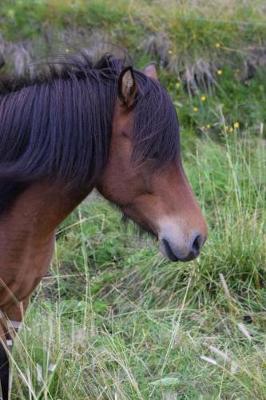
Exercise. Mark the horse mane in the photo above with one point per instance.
(57, 124)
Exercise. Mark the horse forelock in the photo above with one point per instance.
(156, 127)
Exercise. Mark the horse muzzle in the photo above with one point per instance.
(177, 246)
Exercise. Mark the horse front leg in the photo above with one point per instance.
(4, 365)
(10, 323)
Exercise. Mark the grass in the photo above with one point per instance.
(116, 321)
(227, 20)
(113, 320)
(221, 36)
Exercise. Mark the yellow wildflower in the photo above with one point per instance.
(236, 125)
(203, 98)
(217, 45)
(230, 129)
(195, 109)
(208, 126)
(219, 72)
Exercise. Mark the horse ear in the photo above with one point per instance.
(151, 72)
(127, 88)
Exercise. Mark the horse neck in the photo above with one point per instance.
(64, 134)
(42, 207)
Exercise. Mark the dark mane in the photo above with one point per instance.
(61, 68)
(57, 125)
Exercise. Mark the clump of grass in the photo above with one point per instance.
(143, 353)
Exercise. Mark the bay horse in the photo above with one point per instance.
(70, 130)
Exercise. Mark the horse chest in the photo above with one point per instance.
(27, 239)
(24, 261)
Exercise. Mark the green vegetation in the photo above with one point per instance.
(196, 25)
(114, 320)
(208, 48)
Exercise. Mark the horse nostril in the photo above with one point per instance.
(196, 244)
(169, 252)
